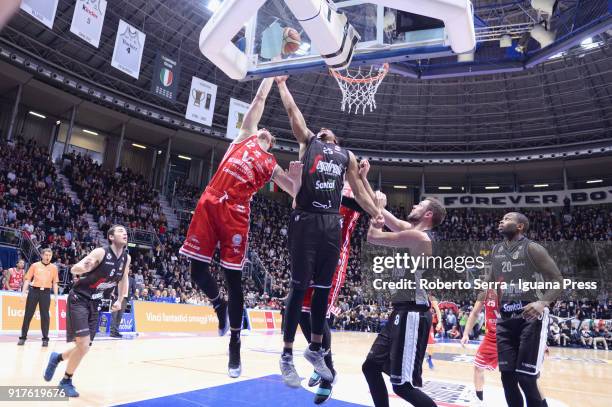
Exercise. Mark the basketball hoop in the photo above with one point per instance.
(359, 86)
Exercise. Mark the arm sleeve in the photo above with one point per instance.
(351, 203)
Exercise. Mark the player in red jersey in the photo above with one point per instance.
(14, 277)
(436, 321)
(486, 356)
(350, 212)
(222, 217)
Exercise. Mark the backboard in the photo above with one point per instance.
(387, 35)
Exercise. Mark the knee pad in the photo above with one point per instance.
(369, 366)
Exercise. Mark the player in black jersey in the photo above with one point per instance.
(315, 232)
(101, 270)
(400, 347)
(523, 326)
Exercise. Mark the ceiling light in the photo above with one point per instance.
(540, 185)
(594, 181)
(213, 5)
(90, 132)
(184, 157)
(445, 188)
(58, 122)
(42, 116)
(492, 187)
(139, 146)
(400, 186)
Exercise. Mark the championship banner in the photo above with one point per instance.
(129, 45)
(13, 310)
(237, 110)
(166, 317)
(88, 19)
(42, 10)
(201, 105)
(264, 320)
(165, 77)
(589, 196)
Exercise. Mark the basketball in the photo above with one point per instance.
(291, 41)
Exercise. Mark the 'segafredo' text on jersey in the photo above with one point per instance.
(245, 168)
(322, 177)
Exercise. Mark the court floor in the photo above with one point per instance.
(190, 370)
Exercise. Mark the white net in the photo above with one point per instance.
(359, 87)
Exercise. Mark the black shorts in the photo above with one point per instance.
(314, 246)
(400, 347)
(521, 344)
(81, 317)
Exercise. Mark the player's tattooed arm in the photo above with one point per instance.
(251, 119)
(89, 262)
(290, 181)
(550, 272)
(298, 123)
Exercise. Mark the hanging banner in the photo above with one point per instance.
(589, 196)
(201, 104)
(129, 45)
(165, 77)
(42, 10)
(237, 110)
(88, 19)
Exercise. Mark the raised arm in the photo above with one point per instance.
(364, 169)
(361, 196)
(298, 124)
(290, 181)
(252, 117)
(89, 262)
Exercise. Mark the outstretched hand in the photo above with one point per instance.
(295, 169)
(364, 168)
(381, 199)
(281, 79)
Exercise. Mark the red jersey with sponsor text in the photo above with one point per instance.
(245, 168)
(15, 279)
(491, 313)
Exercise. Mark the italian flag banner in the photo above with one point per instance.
(272, 187)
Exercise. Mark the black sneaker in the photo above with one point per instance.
(45, 343)
(234, 367)
(223, 317)
(21, 342)
(116, 335)
(324, 391)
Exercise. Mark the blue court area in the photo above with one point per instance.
(263, 391)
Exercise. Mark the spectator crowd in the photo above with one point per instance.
(33, 202)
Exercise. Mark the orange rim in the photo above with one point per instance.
(380, 76)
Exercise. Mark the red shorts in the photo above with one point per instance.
(218, 221)
(350, 218)
(486, 356)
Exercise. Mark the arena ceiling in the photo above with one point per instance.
(563, 102)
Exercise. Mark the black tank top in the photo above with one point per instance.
(322, 177)
(417, 299)
(510, 261)
(100, 282)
